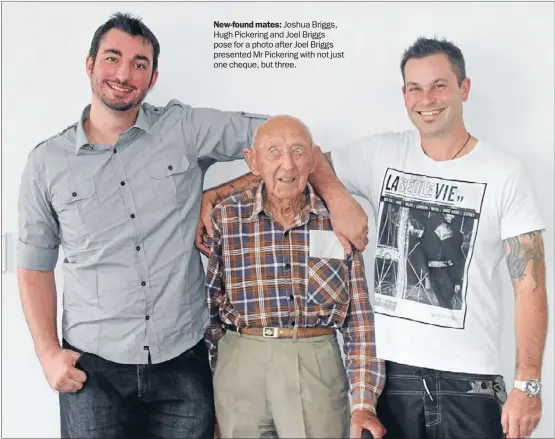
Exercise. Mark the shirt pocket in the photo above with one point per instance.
(169, 177)
(77, 198)
(328, 281)
(81, 196)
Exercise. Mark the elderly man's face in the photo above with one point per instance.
(282, 157)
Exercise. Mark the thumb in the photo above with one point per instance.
(345, 243)
(74, 357)
(209, 228)
(207, 220)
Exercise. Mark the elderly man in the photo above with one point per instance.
(279, 284)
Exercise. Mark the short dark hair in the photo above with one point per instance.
(131, 26)
(430, 46)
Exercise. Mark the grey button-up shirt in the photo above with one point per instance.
(126, 218)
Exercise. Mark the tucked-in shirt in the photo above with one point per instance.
(261, 275)
(125, 216)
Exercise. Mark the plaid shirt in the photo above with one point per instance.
(260, 275)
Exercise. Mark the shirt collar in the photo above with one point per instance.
(81, 138)
(314, 204)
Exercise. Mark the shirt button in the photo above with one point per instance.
(147, 317)
(123, 183)
(287, 266)
(143, 283)
(132, 215)
(74, 194)
(138, 247)
(170, 167)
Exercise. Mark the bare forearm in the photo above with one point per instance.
(38, 298)
(531, 329)
(235, 186)
(525, 259)
(325, 181)
(349, 221)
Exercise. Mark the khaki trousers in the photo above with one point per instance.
(282, 388)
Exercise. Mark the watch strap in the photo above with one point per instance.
(520, 385)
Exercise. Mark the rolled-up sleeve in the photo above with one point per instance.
(39, 241)
(215, 290)
(222, 135)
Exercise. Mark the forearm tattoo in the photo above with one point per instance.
(240, 185)
(522, 249)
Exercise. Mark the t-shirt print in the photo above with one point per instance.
(426, 234)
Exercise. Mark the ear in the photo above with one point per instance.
(312, 167)
(250, 157)
(465, 89)
(153, 79)
(404, 91)
(89, 65)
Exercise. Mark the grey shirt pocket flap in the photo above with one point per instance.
(167, 166)
(79, 190)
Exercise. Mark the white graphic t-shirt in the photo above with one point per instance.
(440, 231)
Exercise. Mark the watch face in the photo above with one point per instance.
(533, 387)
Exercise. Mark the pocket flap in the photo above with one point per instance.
(79, 190)
(162, 168)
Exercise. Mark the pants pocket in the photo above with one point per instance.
(500, 389)
(80, 361)
(471, 405)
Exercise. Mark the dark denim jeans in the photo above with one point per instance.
(173, 399)
(427, 403)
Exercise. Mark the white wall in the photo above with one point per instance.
(509, 53)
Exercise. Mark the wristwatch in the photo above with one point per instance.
(531, 387)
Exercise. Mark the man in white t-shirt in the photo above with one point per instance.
(446, 206)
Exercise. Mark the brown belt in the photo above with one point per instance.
(283, 332)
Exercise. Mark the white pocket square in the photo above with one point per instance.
(325, 244)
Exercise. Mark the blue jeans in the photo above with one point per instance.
(173, 399)
(427, 403)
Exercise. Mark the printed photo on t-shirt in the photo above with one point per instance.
(426, 234)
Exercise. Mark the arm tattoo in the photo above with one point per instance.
(520, 251)
(240, 185)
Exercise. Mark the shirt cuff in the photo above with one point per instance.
(255, 120)
(364, 399)
(36, 258)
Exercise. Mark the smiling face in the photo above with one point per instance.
(121, 75)
(282, 156)
(432, 95)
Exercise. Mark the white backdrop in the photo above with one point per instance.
(509, 52)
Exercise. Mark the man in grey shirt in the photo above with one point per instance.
(120, 191)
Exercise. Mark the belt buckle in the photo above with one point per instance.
(270, 332)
